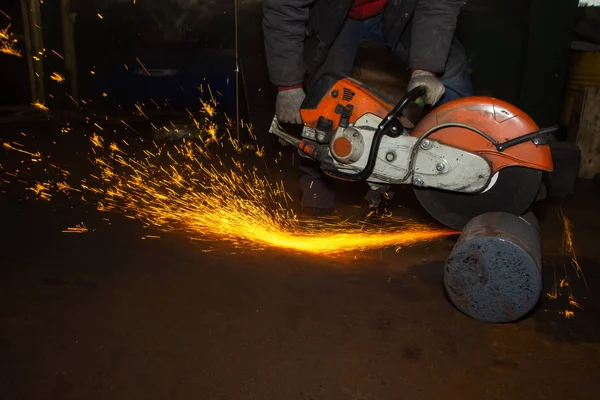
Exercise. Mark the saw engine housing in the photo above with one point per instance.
(458, 147)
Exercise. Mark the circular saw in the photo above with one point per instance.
(465, 158)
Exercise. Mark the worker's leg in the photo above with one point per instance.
(455, 78)
(316, 193)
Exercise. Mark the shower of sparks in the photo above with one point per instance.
(568, 245)
(187, 188)
(8, 43)
(194, 187)
(79, 228)
(57, 77)
(563, 285)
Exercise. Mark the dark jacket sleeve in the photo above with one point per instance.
(284, 28)
(433, 27)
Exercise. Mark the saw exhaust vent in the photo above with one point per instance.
(348, 95)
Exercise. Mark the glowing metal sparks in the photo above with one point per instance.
(42, 190)
(40, 106)
(229, 201)
(8, 42)
(79, 228)
(563, 285)
(568, 314)
(4, 34)
(197, 188)
(57, 77)
(568, 245)
(96, 140)
(7, 145)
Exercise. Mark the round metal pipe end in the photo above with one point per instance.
(494, 273)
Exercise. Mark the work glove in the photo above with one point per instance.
(435, 88)
(287, 105)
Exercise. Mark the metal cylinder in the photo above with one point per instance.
(494, 273)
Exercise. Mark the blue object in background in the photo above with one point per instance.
(175, 76)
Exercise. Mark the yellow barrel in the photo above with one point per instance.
(584, 72)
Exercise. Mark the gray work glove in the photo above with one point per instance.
(435, 88)
(287, 106)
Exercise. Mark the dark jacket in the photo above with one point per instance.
(299, 33)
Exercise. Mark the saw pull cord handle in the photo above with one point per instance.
(377, 136)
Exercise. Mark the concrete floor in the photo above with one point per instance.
(107, 315)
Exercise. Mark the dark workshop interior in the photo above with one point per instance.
(161, 238)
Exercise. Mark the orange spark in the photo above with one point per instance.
(568, 245)
(568, 314)
(9, 146)
(96, 140)
(42, 190)
(57, 54)
(143, 66)
(4, 34)
(7, 43)
(139, 108)
(208, 108)
(57, 77)
(40, 106)
(79, 228)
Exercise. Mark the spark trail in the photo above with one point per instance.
(188, 188)
(195, 187)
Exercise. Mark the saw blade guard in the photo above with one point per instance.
(500, 121)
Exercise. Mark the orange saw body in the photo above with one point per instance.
(466, 157)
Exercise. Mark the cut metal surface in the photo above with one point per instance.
(494, 272)
(513, 192)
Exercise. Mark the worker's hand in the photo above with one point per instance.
(435, 88)
(287, 106)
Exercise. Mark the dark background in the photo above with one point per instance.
(518, 50)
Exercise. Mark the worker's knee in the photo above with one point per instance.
(456, 77)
